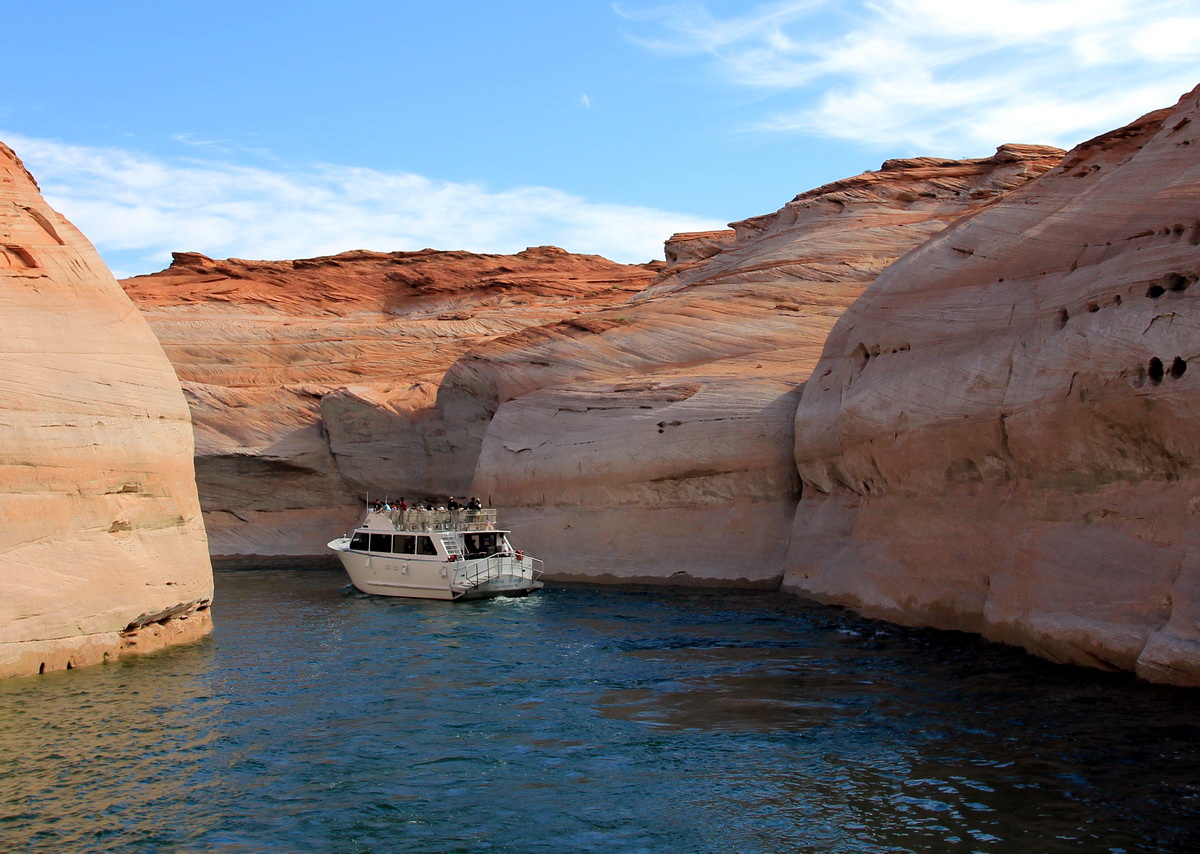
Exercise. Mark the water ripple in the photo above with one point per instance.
(588, 719)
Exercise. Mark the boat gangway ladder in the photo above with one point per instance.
(453, 549)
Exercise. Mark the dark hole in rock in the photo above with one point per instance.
(1155, 291)
(1091, 306)
(1178, 367)
(1178, 282)
(1117, 299)
(1155, 370)
(860, 356)
(1063, 317)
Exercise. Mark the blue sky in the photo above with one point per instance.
(270, 129)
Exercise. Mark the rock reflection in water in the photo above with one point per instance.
(587, 719)
(87, 756)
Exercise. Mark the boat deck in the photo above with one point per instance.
(429, 521)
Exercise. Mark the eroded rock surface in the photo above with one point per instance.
(653, 440)
(1000, 436)
(102, 549)
(313, 382)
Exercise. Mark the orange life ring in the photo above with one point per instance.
(520, 555)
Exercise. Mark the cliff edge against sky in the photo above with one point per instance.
(952, 393)
(1000, 435)
(102, 549)
(313, 382)
(654, 439)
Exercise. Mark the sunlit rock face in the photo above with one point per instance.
(653, 441)
(312, 382)
(1000, 436)
(102, 549)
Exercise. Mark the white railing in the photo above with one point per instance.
(442, 520)
(486, 569)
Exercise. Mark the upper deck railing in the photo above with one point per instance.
(440, 520)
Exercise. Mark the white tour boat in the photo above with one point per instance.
(436, 554)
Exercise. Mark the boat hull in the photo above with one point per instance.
(413, 578)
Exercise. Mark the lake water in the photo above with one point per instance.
(588, 719)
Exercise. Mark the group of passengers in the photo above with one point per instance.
(451, 504)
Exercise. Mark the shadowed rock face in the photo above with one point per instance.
(653, 440)
(102, 550)
(1000, 435)
(312, 383)
(995, 437)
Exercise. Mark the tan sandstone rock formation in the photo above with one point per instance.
(102, 550)
(653, 440)
(1001, 435)
(313, 382)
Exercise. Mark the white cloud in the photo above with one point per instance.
(943, 76)
(137, 209)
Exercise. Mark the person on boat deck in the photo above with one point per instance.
(377, 506)
(452, 504)
(403, 505)
(474, 504)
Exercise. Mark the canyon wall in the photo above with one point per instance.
(313, 382)
(952, 393)
(1000, 436)
(654, 440)
(102, 550)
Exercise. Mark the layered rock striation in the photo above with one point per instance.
(953, 393)
(654, 440)
(1000, 434)
(102, 549)
(313, 382)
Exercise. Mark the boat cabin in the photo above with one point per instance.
(460, 534)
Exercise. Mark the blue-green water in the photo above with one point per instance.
(588, 719)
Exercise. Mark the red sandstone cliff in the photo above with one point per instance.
(995, 437)
(653, 440)
(102, 550)
(312, 382)
(1000, 435)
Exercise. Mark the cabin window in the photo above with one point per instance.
(360, 541)
(381, 543)
(404, 544)
(425, 546)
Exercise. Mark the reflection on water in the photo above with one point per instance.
(588, 719)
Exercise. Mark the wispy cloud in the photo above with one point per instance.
(137, 209)
(942, 76)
